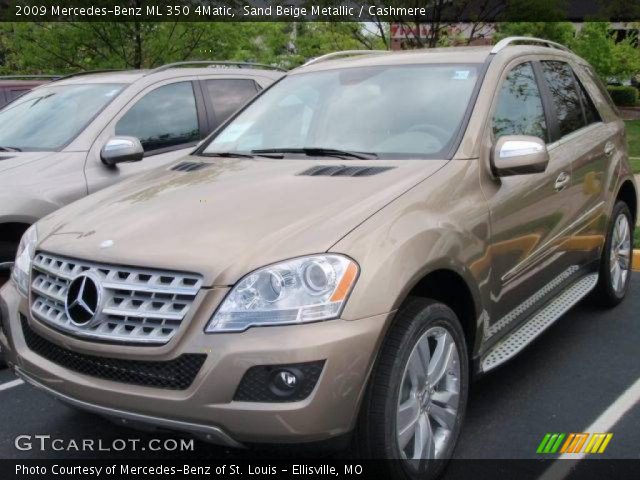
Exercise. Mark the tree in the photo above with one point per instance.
(72, 46)
(612, 60)
(561, 32)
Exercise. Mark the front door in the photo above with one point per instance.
(529, 213)
(167, 120)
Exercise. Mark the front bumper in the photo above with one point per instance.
(207, 407)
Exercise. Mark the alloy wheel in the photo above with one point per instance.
(620, 254)
(429, 397)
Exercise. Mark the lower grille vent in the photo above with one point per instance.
(177, 374)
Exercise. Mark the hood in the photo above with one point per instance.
(12, 160)
(227, 218)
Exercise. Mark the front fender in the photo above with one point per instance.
(21, 208)
(442, 224)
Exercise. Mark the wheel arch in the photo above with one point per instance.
(10, 235)
(627, 193)
(450, 286)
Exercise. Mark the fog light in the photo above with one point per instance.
(285, 382)
(279, 383)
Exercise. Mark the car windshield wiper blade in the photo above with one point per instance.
(226, 154)
(320, 152)
(10, 149)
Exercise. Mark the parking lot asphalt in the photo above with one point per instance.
(561, 383)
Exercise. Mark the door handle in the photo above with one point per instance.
(609, 148)
(562, 181)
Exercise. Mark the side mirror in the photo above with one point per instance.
(120, 150)
(519, 155)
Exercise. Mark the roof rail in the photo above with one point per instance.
(28, 77)
(214, 63)
(344, 53)
(88, 72)
(540, 41)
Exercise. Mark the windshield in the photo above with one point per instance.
(50, 117)
(408, 111)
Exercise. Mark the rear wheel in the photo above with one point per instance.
(615, 264)
(7, 254)
(417, 396)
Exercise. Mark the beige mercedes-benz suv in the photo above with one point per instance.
(341, 257)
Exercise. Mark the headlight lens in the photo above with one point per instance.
(306, 289)
(24, 257)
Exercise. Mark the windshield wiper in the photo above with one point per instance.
(10, 149)
(319, 152)
(226, 154)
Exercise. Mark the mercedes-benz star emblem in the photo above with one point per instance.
(83, 299)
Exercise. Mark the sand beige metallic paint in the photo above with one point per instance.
(418, 218)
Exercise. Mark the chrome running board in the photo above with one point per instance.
(517, 340)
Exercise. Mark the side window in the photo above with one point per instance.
(519, 109)
(565, 96)
(590, 111)
(163, 118)
(601, 86)
(229, 95)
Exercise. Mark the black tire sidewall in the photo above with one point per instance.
(7, 251)
(411, 322)
(609, 296)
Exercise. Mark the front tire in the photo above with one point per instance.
(615, 264)
(417, 396)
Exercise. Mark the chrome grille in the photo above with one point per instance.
(138, 305)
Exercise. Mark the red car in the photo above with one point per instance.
(14, 86)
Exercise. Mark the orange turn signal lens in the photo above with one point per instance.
(346, 283)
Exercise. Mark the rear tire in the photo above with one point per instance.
(615, 262)
(7, 254)
(417, 394)
(7, 251)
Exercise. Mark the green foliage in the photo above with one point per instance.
(613, 61)
(623, 96)
(561, 32)
(633, 141)
(31, 47)
(71, 46)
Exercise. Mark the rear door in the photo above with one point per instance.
(169, 119)
(581, 134)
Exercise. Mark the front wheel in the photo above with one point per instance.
(417, 395)
(615, 264)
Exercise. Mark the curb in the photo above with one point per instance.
(635, 263)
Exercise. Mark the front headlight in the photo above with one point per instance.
(306, 289)
(24, 257)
